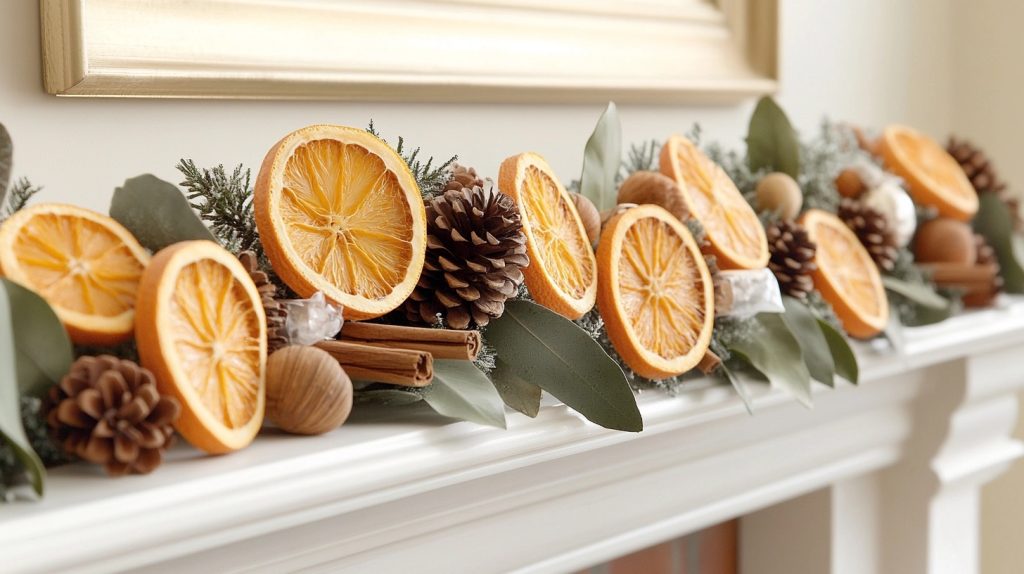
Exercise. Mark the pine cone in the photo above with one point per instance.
(476, 250)
(463, 178)
(792, 258)
(872, 228)
(986, 256)
(108, 411)
(277, 314)
(982, 173)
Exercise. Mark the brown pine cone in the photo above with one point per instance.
(108, 411)
(463, 178)
(982, 173)
(476, 250)
(792, 258)
(986, 256)
(873, 230)
(277, 314)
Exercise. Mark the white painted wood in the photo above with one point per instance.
(389, 494)
(461, 50)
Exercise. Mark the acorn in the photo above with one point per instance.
(945, 240)
(307, 391)
(849, 183)
(589, 215)
(780, 193)
(651, 187)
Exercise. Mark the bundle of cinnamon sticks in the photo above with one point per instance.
(397, 354)
(978, 283)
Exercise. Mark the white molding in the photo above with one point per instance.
(456, 50)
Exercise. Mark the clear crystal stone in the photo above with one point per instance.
(311, 320)
(753, 291)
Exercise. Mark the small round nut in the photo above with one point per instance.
(945, 240)
(307, 390)
(780, 193)
(589, 215)
(849, 183)
(645, 187)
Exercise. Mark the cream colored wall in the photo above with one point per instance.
(853, 60)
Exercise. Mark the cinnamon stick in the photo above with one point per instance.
(406, 367)
(943, 273)
(440, 343)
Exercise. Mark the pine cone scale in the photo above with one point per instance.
(791, 258)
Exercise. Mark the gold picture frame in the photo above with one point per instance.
(651, 51)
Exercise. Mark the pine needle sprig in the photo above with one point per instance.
(641, 157)
(18, 197)
(225, 202)
(430, 178)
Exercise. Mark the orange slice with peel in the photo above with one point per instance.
(934, 177)
(655, 292)
(84, 264)
(562, 274)
(201, 329)
(846, 275)
(735, 233)
(339, 211)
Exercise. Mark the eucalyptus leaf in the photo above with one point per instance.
(995, 223)
(518, 394)
(6, 162)
(462, 391)
(814, 347)
(894, 333)
(156, 212)
(43, 349)
(842, 354)
(775, 353)
(602, 159)
(916, 292)
(739, 385)
(772, 142)
(388, 397)
(550, 351)
(11, 428)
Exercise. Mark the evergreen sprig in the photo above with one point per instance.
(18, 197)
(641, 157)
(431, 179)
(12, 473)
(225, 202)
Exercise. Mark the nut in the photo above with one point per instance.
(307, 391)
(651, 187)
(780, 193)
(588, 215)
(945, 240)
(849, 183)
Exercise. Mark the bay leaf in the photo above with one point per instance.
(739, 385)
(462, 391)
(842, 354)
(12, 430)
(388, 397)
(995, 223)
(916, 293)
(6, 162)
(775, 353)
(550, 351)
(43, 349)
(518, 394)
(814, 347)
(772, 142)
(156, 212)
(602, 159)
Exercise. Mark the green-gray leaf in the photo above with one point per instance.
(43, 349)
(552, 352)
(11, 429)
(462, 391)
(518, 394)
(6, 162)
(739, 385)
(388, 397)
(601, 160)
(775, 353)
(995, 223)
(894, 333)
(772, 142)
(814, 347)
(842, 354)
(156, 212)
(916, 292)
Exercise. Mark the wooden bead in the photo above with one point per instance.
(849, 183)
(307, 391)
(780, 193)
(945, 240)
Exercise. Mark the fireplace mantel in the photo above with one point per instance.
(883, 477)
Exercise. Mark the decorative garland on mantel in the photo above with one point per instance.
(351, 271)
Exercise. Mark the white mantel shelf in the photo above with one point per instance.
(900, 459)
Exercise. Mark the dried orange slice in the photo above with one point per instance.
(934, 177)
(201, 329)
(655, 292)
(339, 211)
(86, 265)
(562, 274)
(736, 235)
(846, 276)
